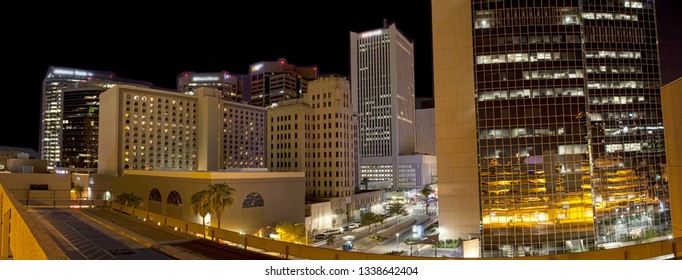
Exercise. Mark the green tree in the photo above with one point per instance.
(289, 232)
(369, 218)
(221, 198)
(425, 192)
(396, 209)
(200, 203)
(129, 199)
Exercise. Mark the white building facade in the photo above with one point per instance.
(382, 79)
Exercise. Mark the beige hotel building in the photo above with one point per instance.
(166, 146)
(149, 129)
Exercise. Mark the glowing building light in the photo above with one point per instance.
(205, 79)
(256, 67)
(371, 33)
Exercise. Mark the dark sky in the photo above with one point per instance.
(156, 45)
(153, 44)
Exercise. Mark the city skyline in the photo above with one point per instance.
(549, 126)
(165, 48)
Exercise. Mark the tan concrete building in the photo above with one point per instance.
(426, 131)
(672, 121)
(317, 135)
(19, 160)
(260, 198)
(149, 129)
(458, 191)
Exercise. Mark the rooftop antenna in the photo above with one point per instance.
(385, 23)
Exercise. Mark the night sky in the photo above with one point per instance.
(157, 44)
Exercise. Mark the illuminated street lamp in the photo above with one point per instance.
(397, 241)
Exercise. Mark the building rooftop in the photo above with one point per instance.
(216, 175)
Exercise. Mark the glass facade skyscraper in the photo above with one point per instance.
(569, 140)
(56, 82)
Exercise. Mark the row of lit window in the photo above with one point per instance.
(611, 16)
(615, 69)
(612, 54)
(534, 75)
(525, 39)
(531, 16)
(620, 84)
(527, 132)
(528, 93)
(525, 57)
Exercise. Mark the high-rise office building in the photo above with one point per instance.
(150, 129)
(231, 86)
(57, 80)
(382, 80)
(317, 135)
(548, 124)
(277, 81)
(80, 129)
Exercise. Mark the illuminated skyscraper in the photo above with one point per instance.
(230, 86)
(382, 80)
(276, 81)
(57, 81)
(548, 116)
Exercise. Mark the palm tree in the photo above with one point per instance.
(221, 198)
(200, 203)
(129, 199)
(425, 192)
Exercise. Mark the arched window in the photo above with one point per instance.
(253, 200)
(174, 198)
(155, 195)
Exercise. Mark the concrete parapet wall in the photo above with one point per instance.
(22, 234)
(636, 252)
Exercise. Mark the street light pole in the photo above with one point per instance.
(397, 241)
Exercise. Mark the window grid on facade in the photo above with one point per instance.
(569, 125)
(159, 132)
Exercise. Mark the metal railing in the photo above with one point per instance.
(33, 199)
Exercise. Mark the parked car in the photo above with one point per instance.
(353, 225)
(332, 231)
